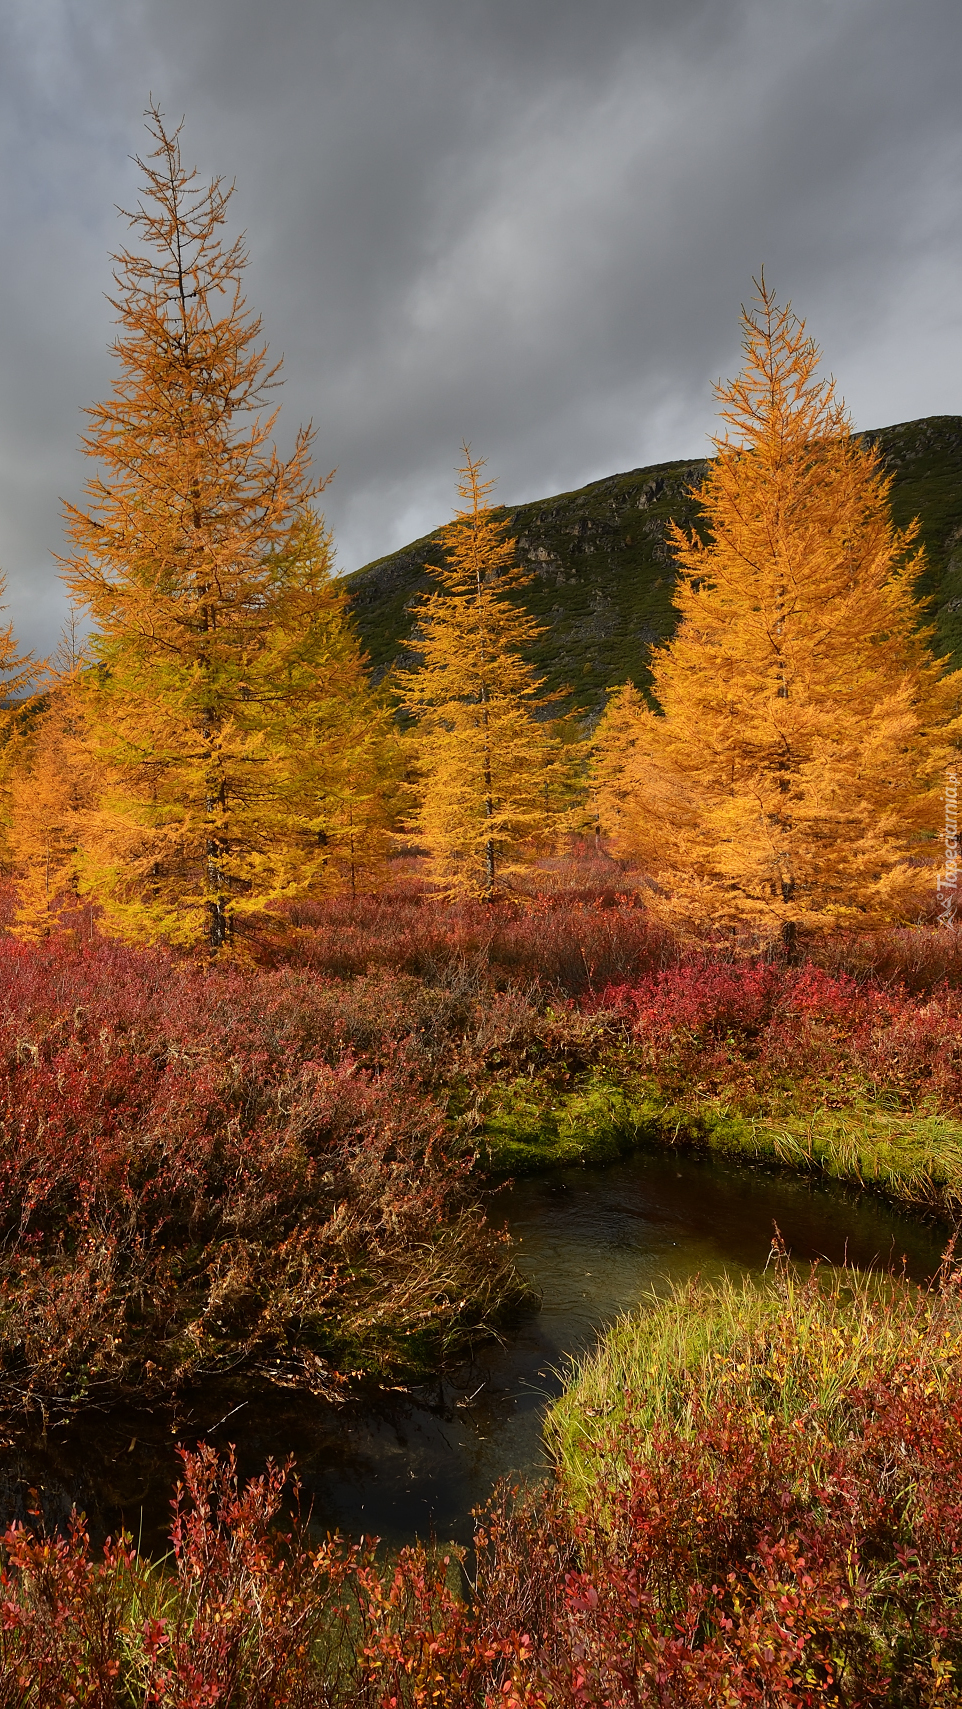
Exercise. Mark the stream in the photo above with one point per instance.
(413, 1463)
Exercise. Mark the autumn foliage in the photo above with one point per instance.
(270, 1169)
(750, 1555)
(218, 753)
(262, 1163)
(489, 778)
(198, 1174)
(237, 754)
(770, 1037)
(791, 770)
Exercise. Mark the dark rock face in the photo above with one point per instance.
(602, 571)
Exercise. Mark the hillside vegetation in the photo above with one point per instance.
(604, 575)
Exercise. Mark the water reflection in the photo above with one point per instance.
(414, 1463)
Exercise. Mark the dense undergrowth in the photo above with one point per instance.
(773, 1519)
(857, 1078)
(197, 1174)
(788, 1351)
(278, 1166)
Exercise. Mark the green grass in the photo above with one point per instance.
(787, 1348)
(912, 1158)
(603, 576)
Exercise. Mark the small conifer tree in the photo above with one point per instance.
(790, 775)
(227, 697)
(49, 790)
(55, 796)
(489, 770)
(18, 673)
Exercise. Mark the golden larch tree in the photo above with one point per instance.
(54, 794)
(55, 786)
(227, 696)
(488, 761)
(788, 778)
(18, 673)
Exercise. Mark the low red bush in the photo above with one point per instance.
(205, 1163)
(195, 1170)
(567, 942)
(757, 1565)
(763, 1028)
(740, 1568)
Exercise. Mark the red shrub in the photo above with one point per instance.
(570, 942)
(193, 1168)
(749, 1564)
(747, 1568)
(251, 1615)
(763, 1028)
(248, 1616)
(183, 1146)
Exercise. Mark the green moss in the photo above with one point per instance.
(530, 1126)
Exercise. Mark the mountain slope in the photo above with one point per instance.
(603, 574)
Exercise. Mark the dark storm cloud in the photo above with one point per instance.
(526, 222)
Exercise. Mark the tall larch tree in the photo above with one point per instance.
(488, 761)
(789, 775)
(226, 696)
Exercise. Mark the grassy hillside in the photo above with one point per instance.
(603, 574)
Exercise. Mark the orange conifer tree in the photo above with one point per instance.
(54, 787)
(489, 770)
(18, 672)
(789, 777)
(228, 697)
(54, 796)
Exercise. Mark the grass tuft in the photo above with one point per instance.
(791, 1349)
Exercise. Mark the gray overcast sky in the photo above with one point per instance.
(525, 222)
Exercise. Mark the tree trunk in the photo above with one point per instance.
(790, 945)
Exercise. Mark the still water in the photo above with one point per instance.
(413, 1463)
